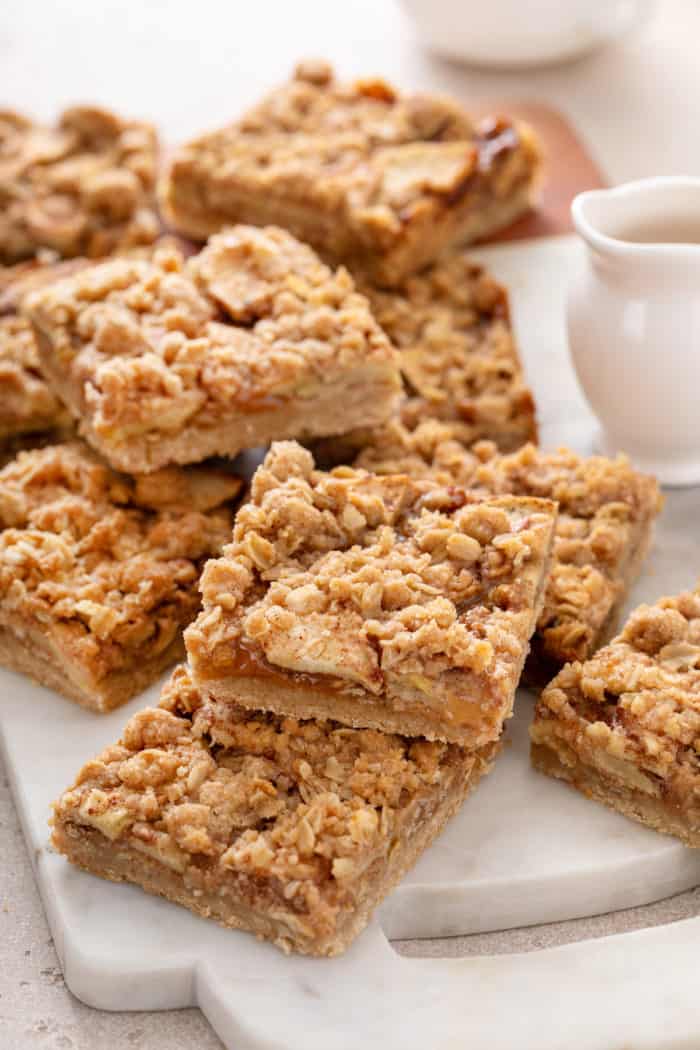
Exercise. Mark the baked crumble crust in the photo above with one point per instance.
(23, 277)
(46, 267)
(451, 324)
(167, 360)
(291, 829)
(27, 403)
(399, 603)
(98, 572)
(30, 412)
(606, 512)
(624, 727)
(82, 187)
(369, 177)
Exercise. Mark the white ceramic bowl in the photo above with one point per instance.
(511, 34)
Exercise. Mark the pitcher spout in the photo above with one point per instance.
(650, 220)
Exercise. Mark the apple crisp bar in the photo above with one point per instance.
(459, 361)
(390, 603)
(624, 727)
(606, 516)
(167, 360)
(98, 571)
(291, 830)
(458, 358)
(83, 187)
(379, 181)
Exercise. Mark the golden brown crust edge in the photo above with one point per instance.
(84, 186)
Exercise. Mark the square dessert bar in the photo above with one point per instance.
(457, 355)
(292, 830)
(390, 603)
(83, 187)
(98, 572)
(624, 727)
(164, 360)
(606, 516)
(451, 324)
(379, 181)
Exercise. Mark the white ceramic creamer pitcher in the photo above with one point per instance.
(634, 322)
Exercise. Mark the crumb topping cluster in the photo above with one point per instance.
(23, 277)
(272, 807)
(314, 102)
(153, 346)
(638, 699)
(26, 401)
(360, 153)
(83, 187)
(603, 504)
(458, 354)
(17, 281)
(369, 579)
(108, 562)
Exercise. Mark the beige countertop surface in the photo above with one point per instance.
(190, 66)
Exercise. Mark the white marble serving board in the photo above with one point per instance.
(523, 850)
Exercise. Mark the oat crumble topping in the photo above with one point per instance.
(29, 409)
(603, 505)
(83, 187)
(23, 277)
(26, 402)
(46, 267)
(458, 357)
(107, 564)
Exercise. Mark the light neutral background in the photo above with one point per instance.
(189, 65)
